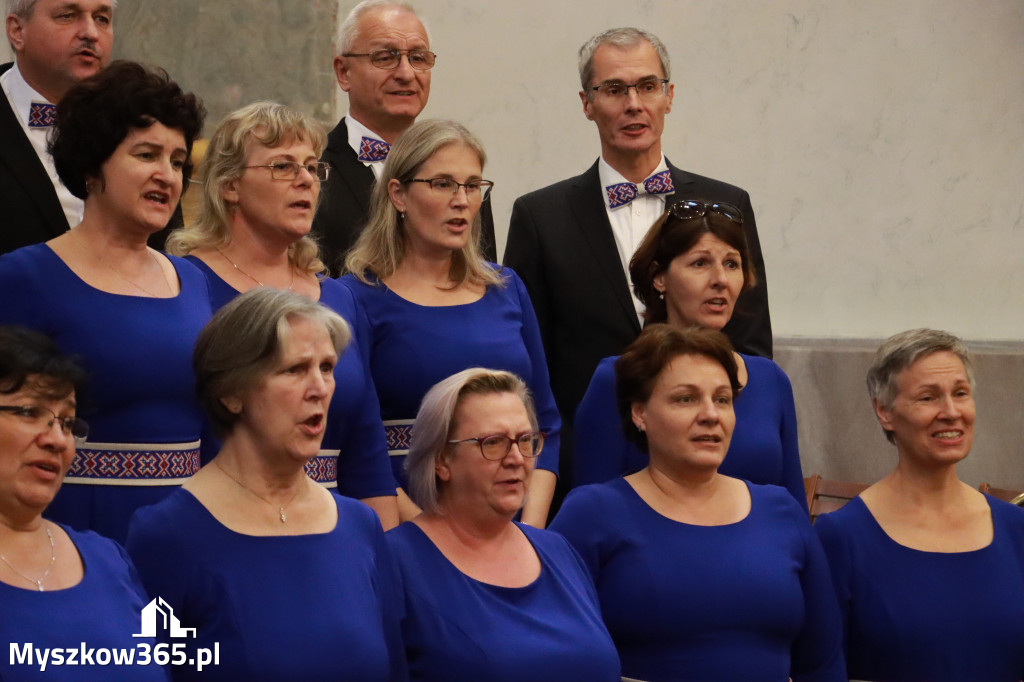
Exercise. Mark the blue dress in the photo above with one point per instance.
(303, 607)
(457, 628)
(413, 347)
(354, 427)
(912, 615)
(750, 600)
(763, 449)
(100, 612)
(141, 390)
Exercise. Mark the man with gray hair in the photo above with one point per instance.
(571, 242)
(383, 61)
(57, 43)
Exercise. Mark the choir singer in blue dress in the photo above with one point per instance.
(434, 304)
(60, 588)
(487, 598)
(286, 580)
(929, 572)
(688, 272)
(701, 576)
(122, 143)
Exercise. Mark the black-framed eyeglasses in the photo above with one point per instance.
(646, 88)
(289, 170)
(688, 209)
(43, 418)
(497, 446)
(474, 188)
(421, 60)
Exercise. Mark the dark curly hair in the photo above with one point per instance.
(637, 369)
(670, 237)
(95, 116)
(30, 358)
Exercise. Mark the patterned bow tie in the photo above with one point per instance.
(371, 149)
(624, 192)
(42, 115)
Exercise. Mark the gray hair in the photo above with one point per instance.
(266, 123)
(348, 31)
(24, 8)
(619, 37)
(244, 341)
(381, 245)
(902, 350)
(436, 420)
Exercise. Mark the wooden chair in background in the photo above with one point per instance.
(825, 495)
(1012, 496)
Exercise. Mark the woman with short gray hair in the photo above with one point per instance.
(927, 569)
(487, 598)
(262, 561)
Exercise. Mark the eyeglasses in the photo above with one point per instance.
(475, 189)
(289, 170)
(421, 60)
(689, 209)
(647, 88)
(497, 447)
(43, 418)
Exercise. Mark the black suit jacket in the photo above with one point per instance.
(30, 211)
(560, 242)
(345, 204)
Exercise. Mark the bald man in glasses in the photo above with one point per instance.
(383, 62)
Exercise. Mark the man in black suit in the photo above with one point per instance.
(383, 62)
(571, 242)
(57, 43)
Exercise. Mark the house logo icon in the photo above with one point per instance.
(159, 610)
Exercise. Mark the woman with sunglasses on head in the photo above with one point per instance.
(487, 598)
(261, 181)
(122, 143)
(701, 576)
(59, 588)
(434, 304)
(688, 272)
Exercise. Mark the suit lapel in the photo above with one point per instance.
(587, 205)
(18, 154)
(681, 180)
(351, 171)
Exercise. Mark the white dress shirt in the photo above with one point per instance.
(356, 132)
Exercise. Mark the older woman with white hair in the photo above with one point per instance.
(929, 572)
(487, 598)
(435, 305)
(282, 578)
(261, 181)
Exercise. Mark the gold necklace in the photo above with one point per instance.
(163, 277)
(281, 509)
(291, 283)
(53, 558)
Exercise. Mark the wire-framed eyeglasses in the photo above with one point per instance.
(688, 209)
(646, 88)
(497, 446)
(475, 189)
(421, 60)
(42, 418)
(289, 170)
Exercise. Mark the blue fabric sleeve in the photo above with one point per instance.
(18, 294)
(818, 650)
(601, 450)
(579, 522)
(540, 383)
(792, 472)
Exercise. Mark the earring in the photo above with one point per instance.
(661, 295)
(401, 215)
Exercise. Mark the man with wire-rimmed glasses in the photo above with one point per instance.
(383, 62)
(571, 242)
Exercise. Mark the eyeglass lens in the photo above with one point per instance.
(497, 447)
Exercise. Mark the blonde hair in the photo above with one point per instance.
(381, 246)
(269, 124)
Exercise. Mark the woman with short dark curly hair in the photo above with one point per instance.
(122, 143)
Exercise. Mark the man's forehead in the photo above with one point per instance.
(391, 27)
(615, 62)
(77, 5)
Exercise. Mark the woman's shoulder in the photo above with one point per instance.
(356, 514)
(167, 517)
(764, 369)
(1008, 515)
(589, 503)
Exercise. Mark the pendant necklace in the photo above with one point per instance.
(281, 509)
(53, 558)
